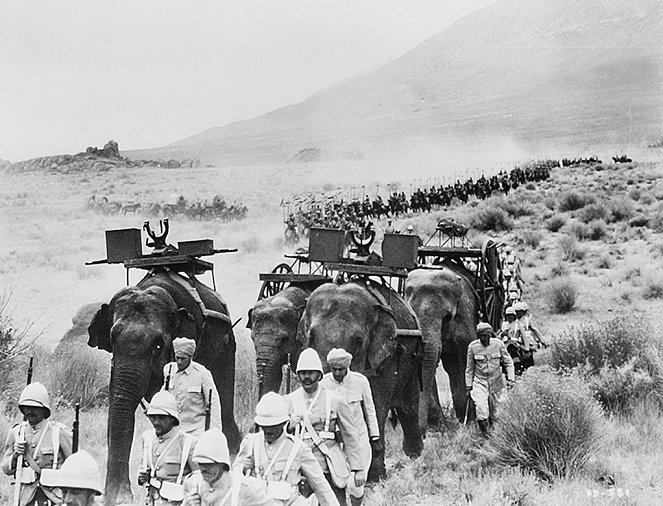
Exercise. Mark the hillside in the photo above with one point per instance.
(540, 74)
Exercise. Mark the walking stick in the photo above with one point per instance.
(287, 378)
(467, 409)
(19, 467)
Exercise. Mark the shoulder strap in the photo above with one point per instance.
(291, 458)
(186, 448)
(55, 434)
(327, 410)
(149, 445)
(237, 485)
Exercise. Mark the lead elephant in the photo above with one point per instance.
(137, 327)
(364, 320)
(446, 305)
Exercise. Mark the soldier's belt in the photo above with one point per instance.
(323, 434)
(27, 475)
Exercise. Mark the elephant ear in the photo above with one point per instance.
(382, 341)
(179, 320)
(249, 319)
(99, 330)
(302, 332)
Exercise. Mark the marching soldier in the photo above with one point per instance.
(167, 453)
(280, 459)
(483, 374)
(79, 479)
(213, 484)
(190, 383)
(355, 389)
(40, 444)
(323, 419)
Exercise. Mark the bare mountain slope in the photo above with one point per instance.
(538, 72)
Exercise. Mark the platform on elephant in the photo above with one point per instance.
(449, 252)
(367, 270)
(291, 277)
(180, 263)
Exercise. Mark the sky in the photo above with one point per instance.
(146, 73)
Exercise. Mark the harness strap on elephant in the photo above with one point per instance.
(382, 301)
(188, 286)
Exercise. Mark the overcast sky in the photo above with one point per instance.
(145, 73)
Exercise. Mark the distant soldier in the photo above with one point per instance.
(356, 390)
(323, 419)
(510, 326)
(483, 374)
(167, 453)
(42, 444)
(531, 335)
(79, 479)
(213, 484)
(190, 383)
(389, 228)
(280, 459)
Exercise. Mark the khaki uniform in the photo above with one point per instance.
(356, 390)
(165, 457)
(286, 460)
(484, 374)
(48, 444)
(190, 388)
(244, 491)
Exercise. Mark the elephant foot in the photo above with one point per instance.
(377, 472)
(413, 449)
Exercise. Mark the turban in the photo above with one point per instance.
(184, 346)
(338, 356)
(484, 327)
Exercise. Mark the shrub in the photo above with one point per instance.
(656, 220)
(491, 218)
(557, 270)
(604, 262)
(570, 249)
(653, 288)
(593, 212)
(549, 424)
(80, 374)
(532, 238)
(638, 221)
(562, 294)
(619, 389)
(555, 223)
(596, 230)
(620, 209)
(13, 346)
(517, 206)
(573, 200)
(577, 229)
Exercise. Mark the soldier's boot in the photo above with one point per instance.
(483, 427)
(356, 501)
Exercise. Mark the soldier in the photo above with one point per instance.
(483, 374)
(355, 389)
(40, 443)
(280, 459)
(531, 334)
(318, 416)
(213, 484)
(167, 453)
(79, 479)
(190, 383)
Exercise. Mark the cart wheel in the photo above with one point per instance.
(491, 284)
(270, 288)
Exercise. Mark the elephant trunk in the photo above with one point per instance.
(128, 385)
(268, 367)
(429, 404)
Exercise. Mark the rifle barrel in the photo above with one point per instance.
(30, 370)
(76, 429)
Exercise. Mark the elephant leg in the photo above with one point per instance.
(455, 368)
(435, 414)
(382, 394)
(407, 409)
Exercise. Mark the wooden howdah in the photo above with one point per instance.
(123, 244)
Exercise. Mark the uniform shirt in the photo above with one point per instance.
(191, 390)
(341, 419)
(39, 447)
(255, 456)
(356, 390)
(251, 491)
(166, 456)
(484, 365)
(510, 329)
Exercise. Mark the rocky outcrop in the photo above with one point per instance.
(92, 160)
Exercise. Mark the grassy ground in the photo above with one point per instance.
(52, 235)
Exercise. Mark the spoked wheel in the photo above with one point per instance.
(270, 288)
(491, 286)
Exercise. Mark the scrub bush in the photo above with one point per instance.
(562, 295)
(491, 218)
(573, 200)
(549, 424)
(555, 223)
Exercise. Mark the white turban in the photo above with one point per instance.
(338, 356)
(185, 346)
(484, 327)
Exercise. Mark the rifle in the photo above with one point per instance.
(167, 383)
(19, 467)
(208, 410)
(30, 370)
(75, 429)
(287, 378)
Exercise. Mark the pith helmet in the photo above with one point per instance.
(212, 448)
(520, 306)
(484, 327)
(272, 409)
(35, 394)
(163, 403)
(510, 311)
(309, 361)
(78, 471)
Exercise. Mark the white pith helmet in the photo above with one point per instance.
(212, 448)
(78, 471)
(309, 360)
(510, 311)
(272, 409)
(35, 395)
(164, 403)
(520, 306)
(524, 305)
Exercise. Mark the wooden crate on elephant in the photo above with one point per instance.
(123, 244)
(326, 245)
(399, 250)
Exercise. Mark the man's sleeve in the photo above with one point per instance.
(244, 459)
(508, 363)
(469, 368)
(8, 467)
(311, 469)
(349, 428)
(208, 383)
(369, 409)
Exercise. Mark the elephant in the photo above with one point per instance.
(447, 307)
(377, 326)
(138, 327)
(273, 322)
